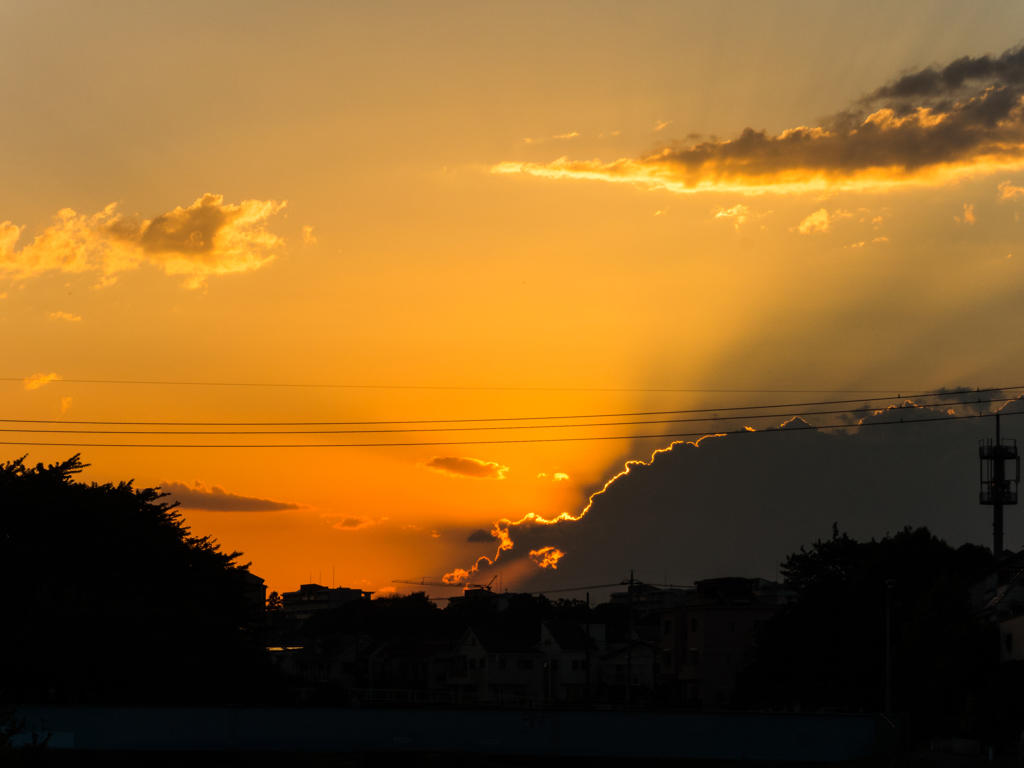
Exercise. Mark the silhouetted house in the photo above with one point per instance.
(255, 592)
(411, 664)
(705, 643)
(493, 667)
(310, 598)
(572, 660)
(997, 597)
(646, 598)
(634, 663)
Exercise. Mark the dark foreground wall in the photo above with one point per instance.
(721, 735)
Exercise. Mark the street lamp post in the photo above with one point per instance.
(889, 584)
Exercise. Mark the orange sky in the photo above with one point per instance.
(417, 196)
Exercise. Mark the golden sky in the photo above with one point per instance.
(489, 210)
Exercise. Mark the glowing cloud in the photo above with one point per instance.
(929, 127)
(547, 557)
(819, 222)
(308, 238)
(207, 238)
(216, 499)
(65, 404)
(968, 217)
(65, 316)
(738, 213)
(457, 466)
(40, 380)
(1008, 192)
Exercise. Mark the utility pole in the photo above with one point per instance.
(889, 584)
(996, 489)
(629, 642)
(587, 647)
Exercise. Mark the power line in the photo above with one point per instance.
(512, 441)
(788, 414)
(443, 388)
(507, 418)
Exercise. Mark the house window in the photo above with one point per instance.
(524, 663)
(472, 663)
(575, 665)
(694, 656)
(666, 659)
(693, 625)
(501, 663)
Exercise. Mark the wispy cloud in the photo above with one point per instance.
(738, 213)
(65, 404)
(968, 217)
(206, 238)
(1009, 192)
(458, 466)
(40, 380)
(819, 222)
(308, 238)
(929, 127)
(662, 124)
(216, 499)
(354, 523)
(65, 316)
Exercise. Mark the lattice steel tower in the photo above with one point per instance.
(996, 488)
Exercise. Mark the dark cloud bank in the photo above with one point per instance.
(216, 499)
(737, 505)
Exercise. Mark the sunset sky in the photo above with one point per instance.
(482, 211)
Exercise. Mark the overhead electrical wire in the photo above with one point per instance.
(788, 414)
(661, 436)
(439, 388)
(744, 408)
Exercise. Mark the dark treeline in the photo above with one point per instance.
(827, 649)
(107, 599)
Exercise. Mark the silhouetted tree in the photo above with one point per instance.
(109, 600)
(827, 648)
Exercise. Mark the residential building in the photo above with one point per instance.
(310, 598)
(494, 667)
(705, 643)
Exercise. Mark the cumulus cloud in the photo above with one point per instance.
(40, 380)
(457, 466)
(206, 238)
(547, 557)
(216, 499)
(65, 316)
(737, 504)
(927, 127)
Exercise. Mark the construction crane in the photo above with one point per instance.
(422, 582)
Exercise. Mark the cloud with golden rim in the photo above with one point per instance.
(216, 499)
(460, 466)
(926, 128)
(209, 237)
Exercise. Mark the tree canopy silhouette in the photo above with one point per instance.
(108, 599)
(827, 648)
